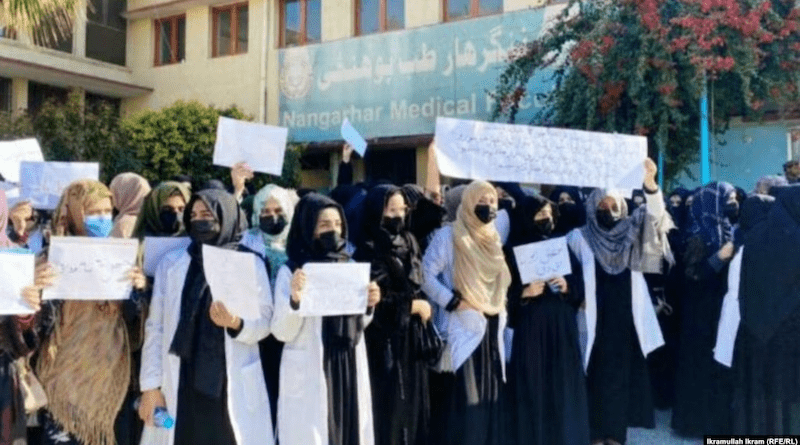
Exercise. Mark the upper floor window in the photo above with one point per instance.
(301, 22)
(170, 40)
(462, 9)
(230, 30)
(379, 15)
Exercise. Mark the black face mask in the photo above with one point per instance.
(328, 242)
(204, 231)
(272, 225)
(544, 226)
(732, 212)
(606, 219)
(394, 225)
(170, 221)
(485, 213)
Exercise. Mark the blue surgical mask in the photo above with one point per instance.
(98, 226)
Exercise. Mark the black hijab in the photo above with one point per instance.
(337, 331)
(198, 341)
(679, 213)
(523, 228)
(770, 277)
(399, 254)
(571, 216)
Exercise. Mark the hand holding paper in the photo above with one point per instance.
(335, 289)
(231, 275)
(91, 268)
(17, 270)
(542, 261)
(352, 137)
(261, 146)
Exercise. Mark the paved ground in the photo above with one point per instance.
(661, 435)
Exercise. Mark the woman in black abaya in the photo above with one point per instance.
(397, 362)
(547, 386)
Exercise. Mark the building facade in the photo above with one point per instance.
(388, 66)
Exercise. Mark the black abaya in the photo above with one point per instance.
(703, 386)
(547, 385)
(618, 380)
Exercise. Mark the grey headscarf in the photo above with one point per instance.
(637, 242)
(452, 199)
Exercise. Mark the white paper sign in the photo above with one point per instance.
(335, 289)
(540, 155)
(231, 275)
(157, 247)
(353, 137)
(543, 260)
(261, 146)
(91, 268)
(12, 153)
(43, 182)
(16, 270)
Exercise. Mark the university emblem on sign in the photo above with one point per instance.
(296, 76)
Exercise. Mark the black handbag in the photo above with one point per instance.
(428, 344)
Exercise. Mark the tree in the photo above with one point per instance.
(44, 20)
(640, 67)
(71, 132)
(180, 139)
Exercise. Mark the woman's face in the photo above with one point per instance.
(675, 200)
(395, 207)
(610, 204)
(101, 207)
(201, 212)
(174, 203)
(731, 198)
(328, 220)
(271, 208)
(543, 214)
(565, 198)
(489, 199)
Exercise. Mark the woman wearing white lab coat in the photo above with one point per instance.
(246, 421)
(325, 394)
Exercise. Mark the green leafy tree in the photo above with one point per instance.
(179, 139)
(640, 67)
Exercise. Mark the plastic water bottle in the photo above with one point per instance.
(161, 417)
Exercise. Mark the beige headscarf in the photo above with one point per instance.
(480, 271)
(85, 364)
(129, 190)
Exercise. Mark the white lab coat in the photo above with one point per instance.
(303, 400)
(248, 405)
(644, 314)
(463, 330)
(730, 316)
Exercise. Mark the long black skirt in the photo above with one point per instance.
(766, 396)
(618, 377)
(547, 386)
(476, 412)
(342, 382)
(201, 420)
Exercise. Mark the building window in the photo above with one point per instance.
(105, 31)
(463, 9)
(5, 95)
(6, 32)
(300, 22)
(170, 40)
(379, 15)
(230, 30)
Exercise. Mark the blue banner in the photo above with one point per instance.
(397, 83)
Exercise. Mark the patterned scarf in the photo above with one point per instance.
(85, 364)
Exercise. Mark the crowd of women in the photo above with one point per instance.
(688, 301)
